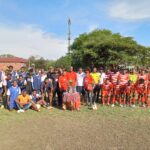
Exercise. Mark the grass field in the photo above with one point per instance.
(107, 128)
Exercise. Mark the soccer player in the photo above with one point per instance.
(116, 93)
(24, 102)
(107, 89)
(96, 76)
(141, 90)
(22, 82)
(37, 99)
(23, 72)
(80, 86)
(37, 81)
(63, 86)
(133, 77)
(88, 86)
(12, 94)
(47, 91)
(72, 78)
(124, 78)
(13, 73)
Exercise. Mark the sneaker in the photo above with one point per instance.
(113, 105)
(133, 106)
(21, 110)
(143, 105)
(64, 107)
(2, 107)
(121, 105)
(95, 107)
(18, 111)
(50, 107)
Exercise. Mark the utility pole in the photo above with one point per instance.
(69, 35)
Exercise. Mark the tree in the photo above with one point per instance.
(40, 62)
(63, 62)
(7, 55)
(103, 48)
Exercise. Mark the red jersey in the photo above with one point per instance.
(117, 88)
(63, 82)
(140, 88)
(72, 77)
(88, 80)
(107, 87)
(144, 76)
(148, 87)
(129, 89)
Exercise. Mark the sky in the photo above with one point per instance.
(39, 27)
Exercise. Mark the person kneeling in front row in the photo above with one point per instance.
(24, 102)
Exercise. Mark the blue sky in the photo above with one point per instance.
(39, 27)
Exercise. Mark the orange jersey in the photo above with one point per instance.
(63, 82)
(72, 78)
(88, 80)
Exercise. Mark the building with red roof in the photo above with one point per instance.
(16, 62)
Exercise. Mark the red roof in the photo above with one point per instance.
(13, 60)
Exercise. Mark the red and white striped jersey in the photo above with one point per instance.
(124, 78)
(114, 77)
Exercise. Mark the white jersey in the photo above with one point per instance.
(80, 78)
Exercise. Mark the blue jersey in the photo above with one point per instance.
(14, 75)
(37, 82)
(9, 83)
(13, 93)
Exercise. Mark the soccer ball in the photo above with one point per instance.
(38, 106)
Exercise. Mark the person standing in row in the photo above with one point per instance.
(80, 85)
(96, 77)
(12, 94)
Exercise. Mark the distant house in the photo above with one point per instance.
(16, 62)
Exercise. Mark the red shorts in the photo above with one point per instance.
(105, 93)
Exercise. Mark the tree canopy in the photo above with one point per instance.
(102, 47)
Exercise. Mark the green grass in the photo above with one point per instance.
(106, 128)
(104, 111)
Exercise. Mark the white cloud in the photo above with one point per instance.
(93, 27)
(30, 40)
(130, 10)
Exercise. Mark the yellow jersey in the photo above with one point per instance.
(96, 76)
(24, 99)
